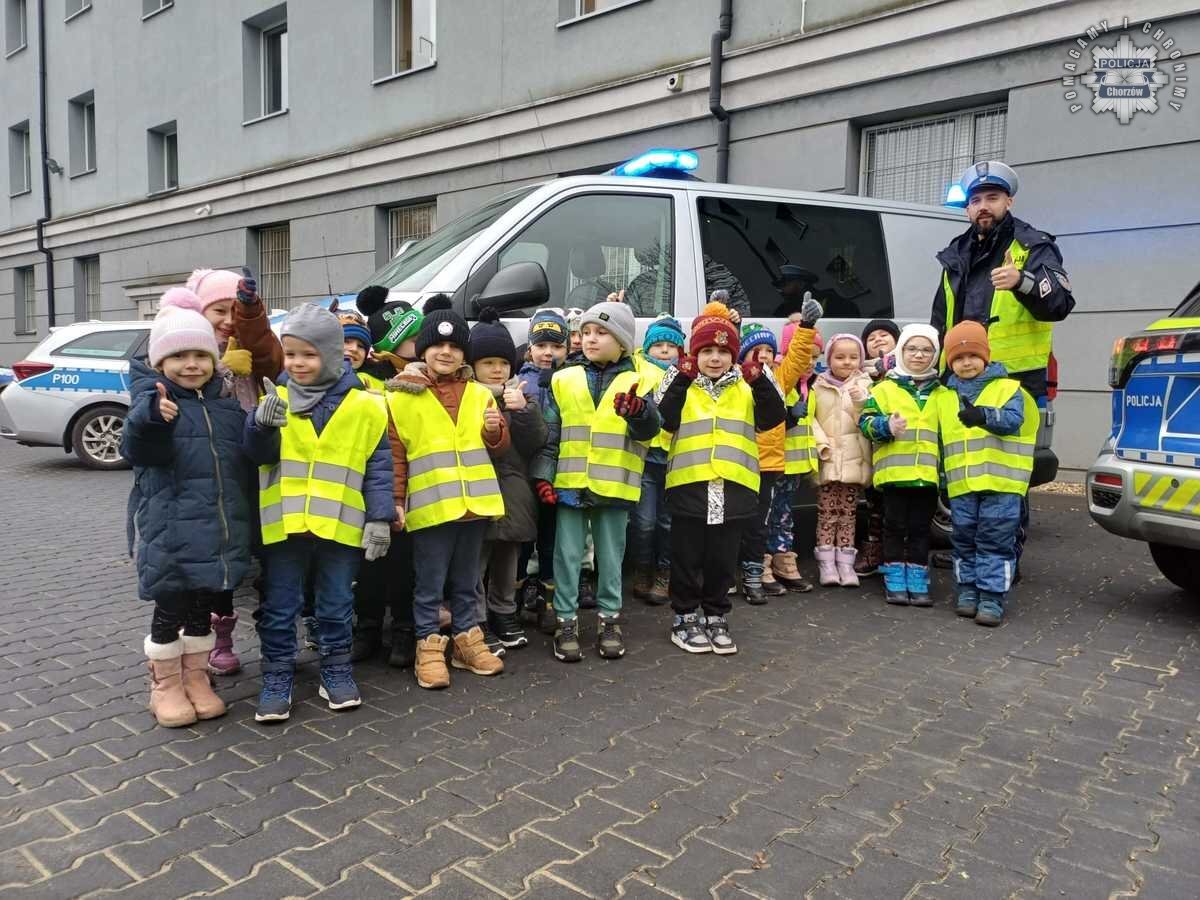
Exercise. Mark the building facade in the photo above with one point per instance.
(309, 139)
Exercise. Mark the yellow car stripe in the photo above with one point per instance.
(1166, 492)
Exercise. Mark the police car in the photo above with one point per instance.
(1145, 484)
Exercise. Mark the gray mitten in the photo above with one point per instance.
(377, 537)
(272, 409)
(810, 311)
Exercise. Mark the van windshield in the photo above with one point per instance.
(424, 259)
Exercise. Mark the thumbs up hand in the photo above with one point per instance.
(971, 415)
(1007, 276)
(492, 422)
(514, 397)
(272, 409)
(247, 287)
(168, 409)
(629, 405)
(235, 359)
(897, 425)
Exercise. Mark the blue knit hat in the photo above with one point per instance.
(354, 328)
(548, 325)
(754, 335)
(664, 328)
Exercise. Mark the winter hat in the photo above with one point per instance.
(967, 337)
(755, 334)
(664, 328)
(442, 325)
(574, 317)
(176, 329)
(490, 338)
(907, 334)
(548, 326)
(321, 328)
(212, 285)
(714, 328)
(616, 318)
(390, 323)
(354, 328)
(180, 298)
(881, 325)
(844, 336)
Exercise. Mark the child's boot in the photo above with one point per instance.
(403, 651)
(430, 667)
(587, 591)
(529, 598)
(275, 698)
(968, 601)
(787, 573)
(609, 640)
(547, 619)
(991, 608)
(472, 653)
(895, 583)
(566, 641)
(196, 652)
(752, 589)
(826, 566)
(844, 559)
(643, 581)
(312, 632)
(770, 586)
(368, 638)
(869, 557)
(168, 700)
(660, 592)
(338, 687)
(717, 629)
(917, 580)
(222, 660)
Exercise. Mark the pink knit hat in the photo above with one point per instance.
(212, 285)
(176, 329)
(845, 336)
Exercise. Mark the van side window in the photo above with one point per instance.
(777, 251)
(103, 344)
(592, 245)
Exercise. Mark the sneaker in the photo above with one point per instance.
(490, 638)
(368, 638)
(312, 632)
(529, 598)
(968, 601)
(566, 641)
(472, 653)
(991, 609)
(609, 641)
(275, 698)
(507, 628)
(717, 630)
(643, 582)
(687, 633)
(587, 592)
(430, 667)
(337, 683)
(660, 592)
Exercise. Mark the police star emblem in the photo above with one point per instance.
(1124, 79)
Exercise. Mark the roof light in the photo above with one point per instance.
(646, 163)
(956, 196)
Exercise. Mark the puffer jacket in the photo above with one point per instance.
(844, 450)
(527, 430)
(536, 383)
(1001, 420)
(191, 484)
(792, 369)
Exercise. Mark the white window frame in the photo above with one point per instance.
(580, 14)
(84, 6)
(170, 162)
(16, 13)
(269, 34)
(24, 162)
(274, 279)
(93, 295)
(149, 12)
(24, 300)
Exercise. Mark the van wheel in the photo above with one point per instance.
(1180, 565)
(940, 527)
(96, 437)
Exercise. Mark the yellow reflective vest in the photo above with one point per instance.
(715, 439)
(316, 487)
(799, 445)
(1018, 340)
(450, 471)
(976, 460)
(914, 457)
(371, 383)
(595, 451)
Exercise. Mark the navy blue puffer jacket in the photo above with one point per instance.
(191, 484)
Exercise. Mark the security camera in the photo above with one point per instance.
(675, 83)
(204, 210)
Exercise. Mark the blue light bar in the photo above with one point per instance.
(956, 196)
(646, 163)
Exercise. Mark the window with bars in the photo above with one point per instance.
(410, 223)
(87, 288)
(275, 266)
(24, 301)
(918, 159)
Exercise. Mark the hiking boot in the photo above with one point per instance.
(991, 609)
(687, 633)
(870, 555)
(430, 668)
(942, 559)
(917, 579)
(196, 683)
(312, 632)
(752, 589)
(660, 592)
(827, 572)
(968, 601)
(895, 583)
(587, 592)
(609, 641)
(472, 653)
(368, 638)
(717, 630)
(770, 586)
(507, 627)
(843, 558)
(566, 641)
(275, 698)
(547, 622)
(643, 582)
(222, 660)
(529, 598)
(491, 640)
(168, 700)
(403, 652)
(337, 682)
(787, 573)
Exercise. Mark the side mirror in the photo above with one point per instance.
(514, 287)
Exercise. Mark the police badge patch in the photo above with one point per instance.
(1044, 288)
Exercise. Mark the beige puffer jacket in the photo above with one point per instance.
(844, 451)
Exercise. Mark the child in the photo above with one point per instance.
(901, 418)
(356, 347)
(574, 317)
(989, 427)
(320, 442)
(592, 467)
(879, 337)
(838, 395)
(445, 431)
(650, 522)
(492, 355)
(714, 409)
(189, 504)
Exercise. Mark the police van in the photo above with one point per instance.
(1145, 484)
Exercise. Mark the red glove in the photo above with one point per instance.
(687, 368)
(752, 371)
(629, 405)
(545, 492)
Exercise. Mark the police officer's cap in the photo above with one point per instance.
(989, 174)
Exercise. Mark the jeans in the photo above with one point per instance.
(650, 520)
(333, 567)
(985, 539)
(608, 525)
(446, 559)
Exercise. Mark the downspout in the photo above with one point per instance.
(725, 26)
(42, 128)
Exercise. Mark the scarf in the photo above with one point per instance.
(908, 333)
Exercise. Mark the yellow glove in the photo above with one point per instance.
(236, 360)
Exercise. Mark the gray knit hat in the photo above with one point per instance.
(617, 319)
(322, 329)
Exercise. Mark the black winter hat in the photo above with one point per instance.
(442, 325)
(489, 337)
(881, 325)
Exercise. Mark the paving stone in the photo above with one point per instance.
(271, 880)
(833, 834)
(599, 871)
(417, 864)
(248, 816)
(580, 827)
(663, 829)
(325, 861)
(237, 857)
(1012, 843)
(785, 871)
(94, 873)
(185, 876)
(411, 823)
(1062, 879)
(361, 883)
(750, 830)
(62, 853)
(974, 878)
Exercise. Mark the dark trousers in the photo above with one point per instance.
(704, 564)
(754, 536)
(387, 583)
(449, 556)
(907, 514)
(187, 610)
(333, 567)
(547, 524)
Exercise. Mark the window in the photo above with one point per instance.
(274, 70)
(404, 36)
(593, 244)
(265, 64)
(75, 7)
(410, 223)
(87, 288)
(162, 148)
(151, 7)
(24, 301)
(275, 265)
(16, 25)
(574, 9)
(836, 253)
(81, 125)
(19, 170)
(917, 160)
(104, 344)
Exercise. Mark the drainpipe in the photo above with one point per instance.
(42, 128)
(725, 26)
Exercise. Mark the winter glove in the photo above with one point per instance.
(971, 415)
(546, 493)
(752, 371)
(687, 368)
(810, 311)
(247, 290)
(168, 409)
(272, 409)
(629, 405)
(882, 365)
(236, 360)
(377, 537)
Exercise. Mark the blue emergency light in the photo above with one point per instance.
(956, 196)
(658, 163)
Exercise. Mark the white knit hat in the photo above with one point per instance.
(176, 329)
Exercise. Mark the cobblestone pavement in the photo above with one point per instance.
(849, 750)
